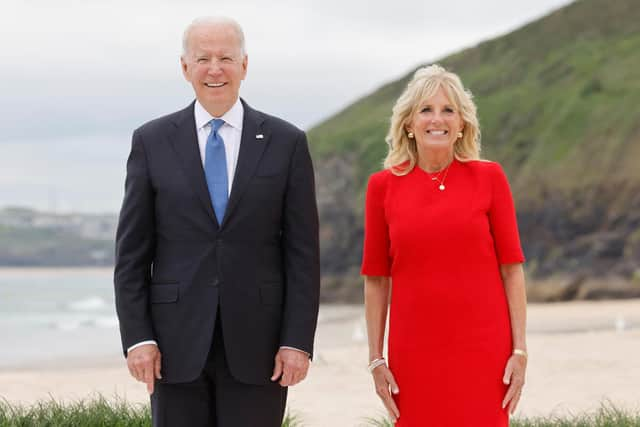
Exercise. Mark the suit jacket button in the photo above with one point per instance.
(215, 283)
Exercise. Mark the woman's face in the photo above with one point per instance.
(436, 122)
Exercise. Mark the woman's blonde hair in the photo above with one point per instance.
(403, 153)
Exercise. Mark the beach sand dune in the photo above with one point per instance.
(581, 354)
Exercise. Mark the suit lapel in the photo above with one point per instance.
(251, 149)
(185, 144)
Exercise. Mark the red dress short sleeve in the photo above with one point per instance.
(502, 219)
(375, 257)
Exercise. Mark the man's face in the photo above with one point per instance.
(215, 66)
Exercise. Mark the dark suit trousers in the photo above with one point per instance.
(216, 399)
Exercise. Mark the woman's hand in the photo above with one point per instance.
(514, 374)
(385, 386)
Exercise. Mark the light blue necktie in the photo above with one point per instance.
(215, 169)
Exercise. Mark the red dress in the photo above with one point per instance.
(449, 328)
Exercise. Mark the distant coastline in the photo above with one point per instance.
(556, 288)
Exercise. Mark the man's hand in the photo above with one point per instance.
(144, 364)
(291, 367)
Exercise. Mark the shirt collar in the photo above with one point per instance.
(232, 117)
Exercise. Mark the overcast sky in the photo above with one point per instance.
(78, 76)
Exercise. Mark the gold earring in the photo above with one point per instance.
(459, 134)
(410, 135)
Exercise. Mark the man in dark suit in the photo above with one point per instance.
(217, 259)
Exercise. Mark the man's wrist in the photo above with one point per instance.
(293, 348)
(141, 343)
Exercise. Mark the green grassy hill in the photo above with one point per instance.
(559, 107)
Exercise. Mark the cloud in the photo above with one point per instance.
(83, 66)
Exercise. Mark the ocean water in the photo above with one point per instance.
(49, 315)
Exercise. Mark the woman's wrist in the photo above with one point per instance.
(373, 355)
(379, 361)
(520, 352)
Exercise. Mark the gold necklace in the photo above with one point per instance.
(441, 187)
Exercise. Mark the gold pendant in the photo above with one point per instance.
(441, 187)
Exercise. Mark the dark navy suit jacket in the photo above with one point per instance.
(176, 266)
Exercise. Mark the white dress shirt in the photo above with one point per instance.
(231, 134)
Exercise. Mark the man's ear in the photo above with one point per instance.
(245, 63)
(184, 67)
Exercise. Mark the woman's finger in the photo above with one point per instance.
(508, 396)
(514, 402)
(389, 403)
(508, 371)
(392, 382)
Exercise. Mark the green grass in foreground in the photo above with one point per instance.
(100, 412)
(607, 416)
(97, 412)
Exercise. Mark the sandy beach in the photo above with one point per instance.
(581, 354)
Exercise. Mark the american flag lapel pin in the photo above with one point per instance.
(259, 136)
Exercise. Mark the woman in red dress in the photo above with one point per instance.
(442, 252)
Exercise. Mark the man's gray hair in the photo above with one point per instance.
(213, 20)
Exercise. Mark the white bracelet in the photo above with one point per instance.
(375, 363)
(519, 352)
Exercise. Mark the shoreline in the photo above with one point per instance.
(67, 364)
(343, 325)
